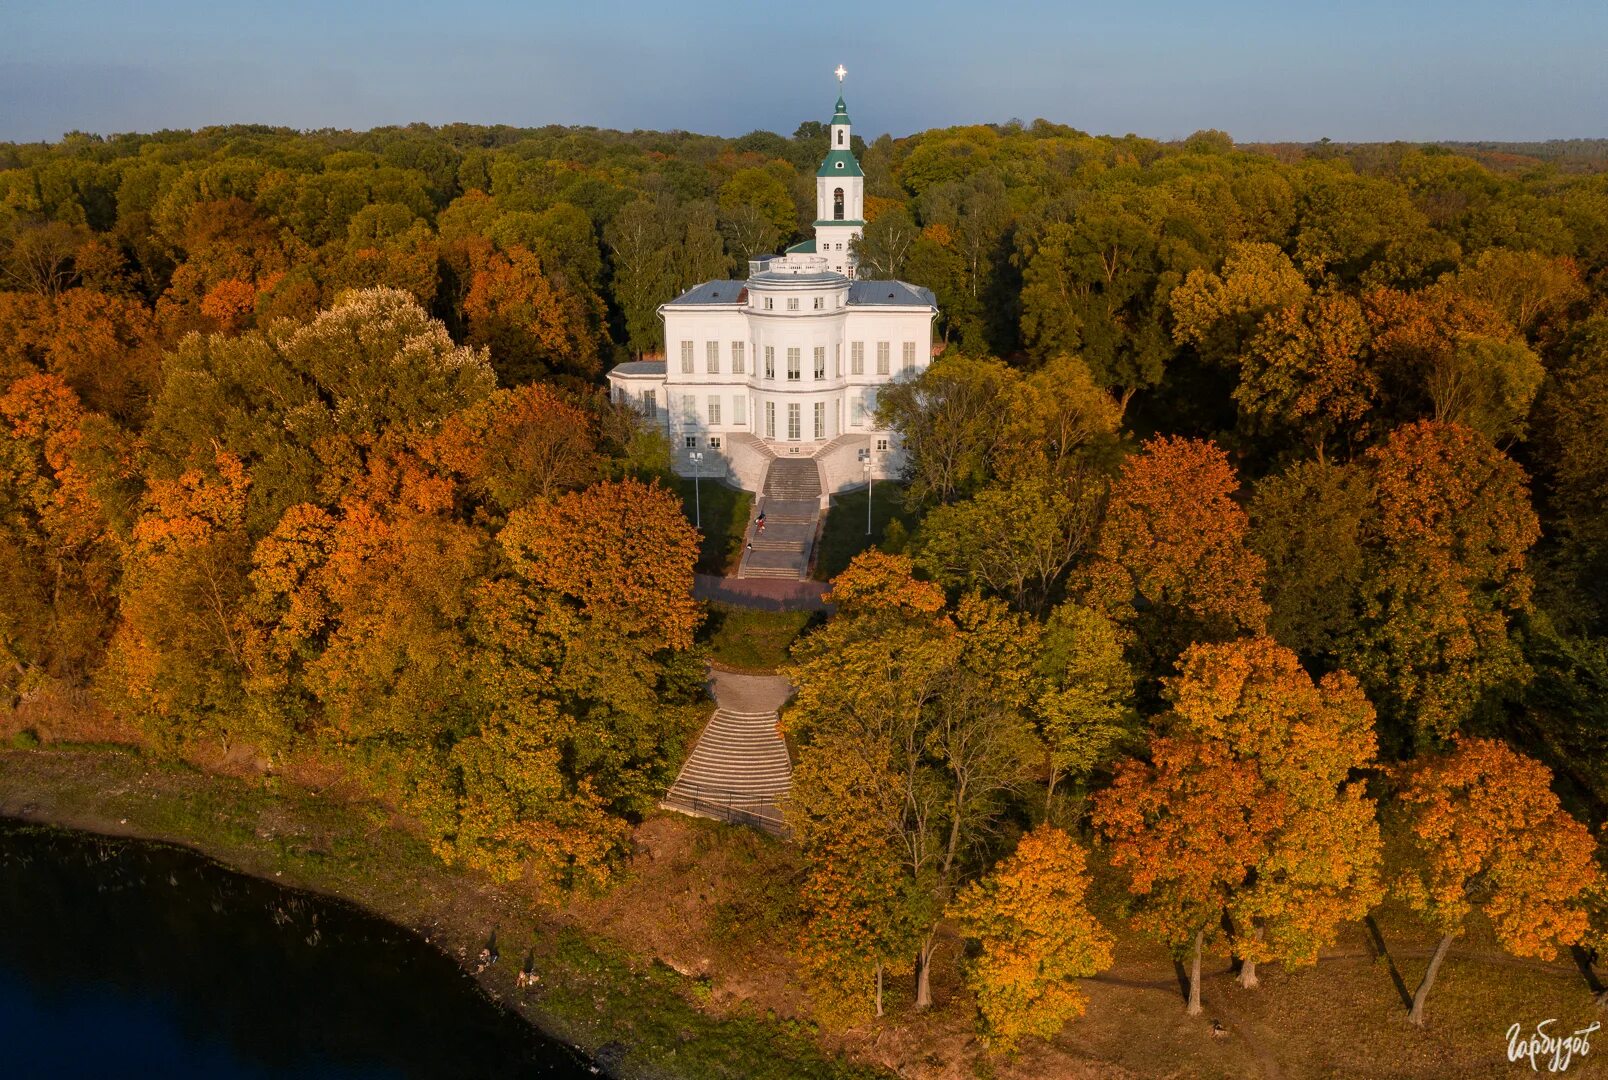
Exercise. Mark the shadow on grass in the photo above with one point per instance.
(1583, 960)
(722, 513)
(1376, 940)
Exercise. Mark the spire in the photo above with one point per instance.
(841, 114)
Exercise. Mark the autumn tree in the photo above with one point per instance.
(1014, 539)
(1219, 312)
(532, 327)
(1037, 938)
(1184, 827)
(177, 658)
(863, 914)
(1485, 832)
(756, 212)
(1248, 810)
(1574, 441)
(1085, 707)
(1304, 370)
(1444, 578)
(59, 558)
(939, 701)
(1171, 556)
(953, 421)
(1306, 524)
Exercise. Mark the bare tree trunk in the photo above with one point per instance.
(1247, 975)
(923, 983)
(879, 987)
(1194, 975)
(1417, 1014)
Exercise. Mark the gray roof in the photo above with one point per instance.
(890, 294)
(712, 292)
(638, 367)
(861, 293)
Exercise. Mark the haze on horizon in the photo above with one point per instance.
(1366, 70)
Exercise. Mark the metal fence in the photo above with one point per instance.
(734, 808)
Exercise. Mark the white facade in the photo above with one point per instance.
(788, 362)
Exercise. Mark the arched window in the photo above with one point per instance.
(837, 204)
(840, 136)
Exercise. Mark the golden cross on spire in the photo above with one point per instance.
(840, 73)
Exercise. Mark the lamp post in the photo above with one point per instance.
(865, 464)
(697, 496)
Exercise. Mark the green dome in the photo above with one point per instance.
(841, 116)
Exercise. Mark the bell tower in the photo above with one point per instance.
(839, 193)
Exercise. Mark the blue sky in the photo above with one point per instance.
(1364, 69)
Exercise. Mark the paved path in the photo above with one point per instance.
(764, 594)
(738, 770)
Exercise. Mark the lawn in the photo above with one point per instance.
(724, 513)
(844, 535)
(749, 640)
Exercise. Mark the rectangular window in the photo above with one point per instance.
(714, 442)
(770, 419)
(909, 356)
(820, 303)
(736, 358)
(686, 358)
(739, 410)
(837, 360)
(714, 409)
(768, 304)
(882, 358)
(820, 420)
(691, 442)
(792, 364)
(868, 407)
(820, 361)
(792, 303)
(882, 446)
(712, 357)
(770, 361)
(793, 425)
(689, 408)
(650, 402)
(857, 358)
(857, 411)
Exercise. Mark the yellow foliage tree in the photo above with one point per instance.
(1037, 938)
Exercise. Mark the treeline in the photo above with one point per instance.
(338, 546)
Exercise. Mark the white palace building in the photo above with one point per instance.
(787, 364)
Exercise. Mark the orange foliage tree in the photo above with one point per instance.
(1172, 555)
(532, 326)
(1037, 938)
(59, 559)
(177, 657)
(1485, 832)
(1444, 578)
(1248, 809)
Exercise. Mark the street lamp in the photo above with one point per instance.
(697, 497)
(865, 464)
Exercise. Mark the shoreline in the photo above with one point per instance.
(95, 827)
(628, 1018)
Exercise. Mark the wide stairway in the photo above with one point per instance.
(739, 770)
(791, 501)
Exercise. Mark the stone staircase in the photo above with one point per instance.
(791, 500)
(739, 771)
(793, 480)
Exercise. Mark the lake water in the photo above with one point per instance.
(126, 959)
